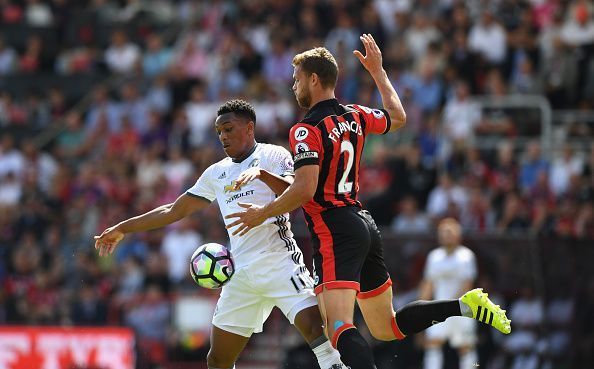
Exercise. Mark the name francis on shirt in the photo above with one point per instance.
(351, 126)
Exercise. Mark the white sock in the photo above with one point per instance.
(465, 309)
(327, 356)
(433, 358)
(469, 360)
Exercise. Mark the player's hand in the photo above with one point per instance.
(107, 241)
(251, 217)
(372, 60)
(246, 177)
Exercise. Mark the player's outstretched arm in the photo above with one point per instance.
(156, 218)
(372, 61)
(276, 183)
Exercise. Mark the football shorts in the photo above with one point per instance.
(348, 252)
(248, 299)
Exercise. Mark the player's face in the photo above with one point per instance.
(449, 235)
(301, 87)
(235, 133)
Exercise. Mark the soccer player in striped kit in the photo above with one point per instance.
(348, 261)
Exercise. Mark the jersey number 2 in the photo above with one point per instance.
(343, 185)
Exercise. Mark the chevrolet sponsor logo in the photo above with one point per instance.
(239, 195)
(231, 187)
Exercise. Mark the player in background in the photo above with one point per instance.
(269, 264)
(348, 261)
(449, 272)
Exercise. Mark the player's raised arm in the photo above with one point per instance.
(159, 217)
(372, 61)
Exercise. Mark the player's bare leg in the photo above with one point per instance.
(420, 315)
(225, 348)
(309, 323)
(338, 307)
(378, 313)
(387, 325)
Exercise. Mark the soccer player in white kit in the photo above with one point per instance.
(449, 272)
(269, 264)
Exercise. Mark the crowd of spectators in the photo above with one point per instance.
(144, 137)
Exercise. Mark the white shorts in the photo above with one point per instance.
(247, 301)
(459, 331)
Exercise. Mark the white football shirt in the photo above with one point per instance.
(273, 237)
(447, 272)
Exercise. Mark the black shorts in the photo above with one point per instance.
(348, 252)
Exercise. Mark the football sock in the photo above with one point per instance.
(420, 315)
(433, 358)
(328, 357)
(354, 350)
(465, 309)
(469, 360)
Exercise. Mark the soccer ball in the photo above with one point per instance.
(212, 265)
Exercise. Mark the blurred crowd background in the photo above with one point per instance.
(107, 111)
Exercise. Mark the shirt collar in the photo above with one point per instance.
(249, 153)
(322, 104)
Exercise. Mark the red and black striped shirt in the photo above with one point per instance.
(332, 136)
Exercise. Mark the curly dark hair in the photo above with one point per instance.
(241, 108)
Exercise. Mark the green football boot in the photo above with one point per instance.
(484, 310)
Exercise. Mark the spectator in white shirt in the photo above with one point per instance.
(488, 38)
(578, 29)
(11, 190)
(387, 11)
(461, 115)
(11, 159)
(121, 56)
(447, 193)
(38, 14)
(420, 35)
(562, 169)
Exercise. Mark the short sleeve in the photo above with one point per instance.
(306, 144)
(281, 162)
(203, 187)
(377, 121)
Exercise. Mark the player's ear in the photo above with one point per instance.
(314, 79)
(251, 127)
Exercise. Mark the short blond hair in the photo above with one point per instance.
(321, 62)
